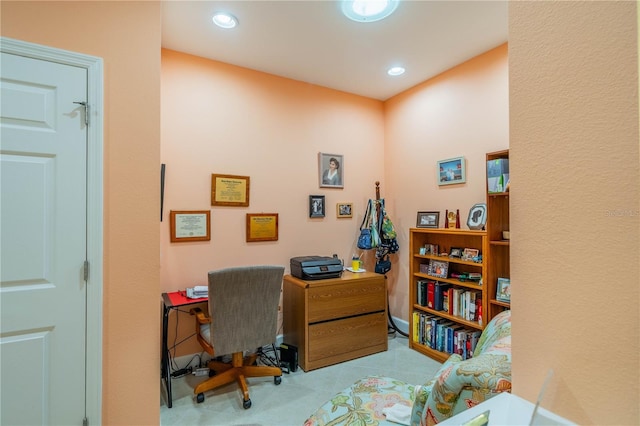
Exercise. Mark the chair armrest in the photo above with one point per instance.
(482, 376)
(422, 393)
(201, 317)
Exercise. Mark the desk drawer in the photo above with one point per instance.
(335, 338)
(346, 299)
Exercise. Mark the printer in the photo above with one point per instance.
(316, 267)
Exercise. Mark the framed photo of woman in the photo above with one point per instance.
(331, 170)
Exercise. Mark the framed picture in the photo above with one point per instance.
(344, 210)
(456, 252)
(428, 220)
(469, 253)
(316, 205)
(190, 225)
(438, 268)
(477, 216)
(262, 227)
(451, 171)
(229, 190)
(331, 170)
(503, 290)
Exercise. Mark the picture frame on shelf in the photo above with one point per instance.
(316, 206)
(477, 216)
(438, 268)
(428, 220)
(503, 290)
(456, 252)
(469, 253)
(451, 171)
(330, 170)
(344, 210)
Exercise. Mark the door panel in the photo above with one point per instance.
(43, 241)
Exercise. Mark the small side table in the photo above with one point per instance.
(173, 300)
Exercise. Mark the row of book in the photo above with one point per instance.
(459, 302)
(443, 335)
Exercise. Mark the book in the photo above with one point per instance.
(451, 332)
(431, 294)
(416, 326)
(438, 293)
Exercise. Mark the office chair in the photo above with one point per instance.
(243, 309)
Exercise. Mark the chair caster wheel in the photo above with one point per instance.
(200, 398)
(246, 404)
(277, 379)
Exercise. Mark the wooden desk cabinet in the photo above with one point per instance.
(337, 319)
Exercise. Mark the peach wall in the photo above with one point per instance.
(461, 112)
(219, 118)
(575, 207)
(127, 36)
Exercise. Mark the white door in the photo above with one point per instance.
(43, 233)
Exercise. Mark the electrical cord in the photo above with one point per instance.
(392, 325)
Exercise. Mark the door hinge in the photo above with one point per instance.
(86, 112)
(86, 270)
(85, 422)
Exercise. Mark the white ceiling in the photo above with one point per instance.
(312, 41)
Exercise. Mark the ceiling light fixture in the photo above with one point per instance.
(368, 10)
(396, 71)
(224, 20)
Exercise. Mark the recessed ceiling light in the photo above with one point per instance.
(395, 71)
(368, 10)
(224, 20)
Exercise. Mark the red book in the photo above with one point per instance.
(431, 290)
(451, 298)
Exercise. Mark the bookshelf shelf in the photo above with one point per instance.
(466, 318)
(500, 303)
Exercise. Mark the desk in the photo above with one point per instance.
(173, 300)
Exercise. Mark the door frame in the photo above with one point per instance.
(95, 144)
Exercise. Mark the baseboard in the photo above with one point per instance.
(401, 324)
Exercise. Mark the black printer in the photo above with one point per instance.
(316, 267)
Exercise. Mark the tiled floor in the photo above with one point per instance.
(297, 397)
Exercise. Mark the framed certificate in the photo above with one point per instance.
(229, 190)
(190, 225)
(262, 227)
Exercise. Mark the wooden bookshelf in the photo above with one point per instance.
(499, 248)
(445, 239)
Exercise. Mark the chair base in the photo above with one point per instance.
(239, 369)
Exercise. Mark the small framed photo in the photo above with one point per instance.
(331, 170)
(438, 268)
(469, 253)
(451, 171)
(455, 252)
(503, 290)
(344, 210)
(428, 220)
(316, 205)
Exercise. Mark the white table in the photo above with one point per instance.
(507, 409)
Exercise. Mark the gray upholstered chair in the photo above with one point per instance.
(243, 307)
